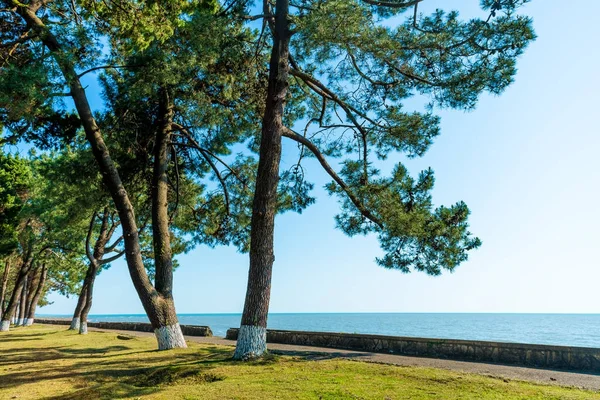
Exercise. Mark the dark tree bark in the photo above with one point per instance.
(16, 312)
(160, 310)
(163, 261)
(252, 336)
(23, 301)
(37, 294)
(4, 286)
(32, 282)
(89, 286)
(80, 304)
(95, 259)
(16, 294)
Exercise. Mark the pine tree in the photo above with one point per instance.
(356, 74)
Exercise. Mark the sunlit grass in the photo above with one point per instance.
(48, 362)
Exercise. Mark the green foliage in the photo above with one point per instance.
(354, 76)
(137, 25)
(358, 72)
(15, 183)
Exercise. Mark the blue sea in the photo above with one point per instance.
(558, 329)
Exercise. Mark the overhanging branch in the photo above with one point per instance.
(88, 250)
(393, 4)
(106, 67)
(315, 150)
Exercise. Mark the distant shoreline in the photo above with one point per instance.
(582, 330)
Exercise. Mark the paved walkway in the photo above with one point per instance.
(552, 377)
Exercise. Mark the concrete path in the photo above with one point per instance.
(550, 377)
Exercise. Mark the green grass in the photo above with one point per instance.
(46, 362)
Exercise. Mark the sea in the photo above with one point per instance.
(557, 329)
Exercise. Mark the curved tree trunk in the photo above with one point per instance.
(89, 284)
(36, 297)
(23, 301)
(75, 322)
(16, 294)
(252, 337)
(170, 334)
(32, 282)
(5, 276)
(159, 308)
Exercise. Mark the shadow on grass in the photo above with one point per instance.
(115, 379)
(109, 372)
(320, 356)
(31, 355)
(28, 355)
(23, 339)
(117, 371)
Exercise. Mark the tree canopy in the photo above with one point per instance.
(186, 145)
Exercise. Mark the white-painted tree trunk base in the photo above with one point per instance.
(19, 322)
(251, 342)
(170, 337)
(5, 326)
(83, 328)
(28, 322)
(74, 324)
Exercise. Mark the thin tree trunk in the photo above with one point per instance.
(36, 297)
(3, 287)
(16, 294)
(89, 284)
(23, 301)
(15, 316)
(32, 282)
(95, 258)
(252, 337)
(170, 335)
(75, 322)
(159, 310)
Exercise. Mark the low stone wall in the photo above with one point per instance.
(531, 355)
(188, 330)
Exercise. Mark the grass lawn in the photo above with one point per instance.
(48, 362)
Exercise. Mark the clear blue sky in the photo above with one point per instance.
(527, 163)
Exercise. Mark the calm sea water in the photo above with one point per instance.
(559, 329)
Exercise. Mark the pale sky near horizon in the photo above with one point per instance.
(525, 162)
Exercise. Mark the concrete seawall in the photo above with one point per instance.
(189, 330)
(530, 355)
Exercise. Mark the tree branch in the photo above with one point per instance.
(210, 162)
(314, 149)
(108, 249)
(106, 67)
(393, 4)
(197, 146)
(113, 258)
(88, 250)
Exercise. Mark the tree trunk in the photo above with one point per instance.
(170, 334)
(23, 301)
(36, 297)
(160, 311)
(252, 337)
(32, 282)
(3, 287)
(89, 284)
(80, 304)
(16, 294)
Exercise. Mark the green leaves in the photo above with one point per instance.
(15, 184)
(359, 72)
(137, 25)
(412, 234)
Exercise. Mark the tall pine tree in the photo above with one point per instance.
(355, 73)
